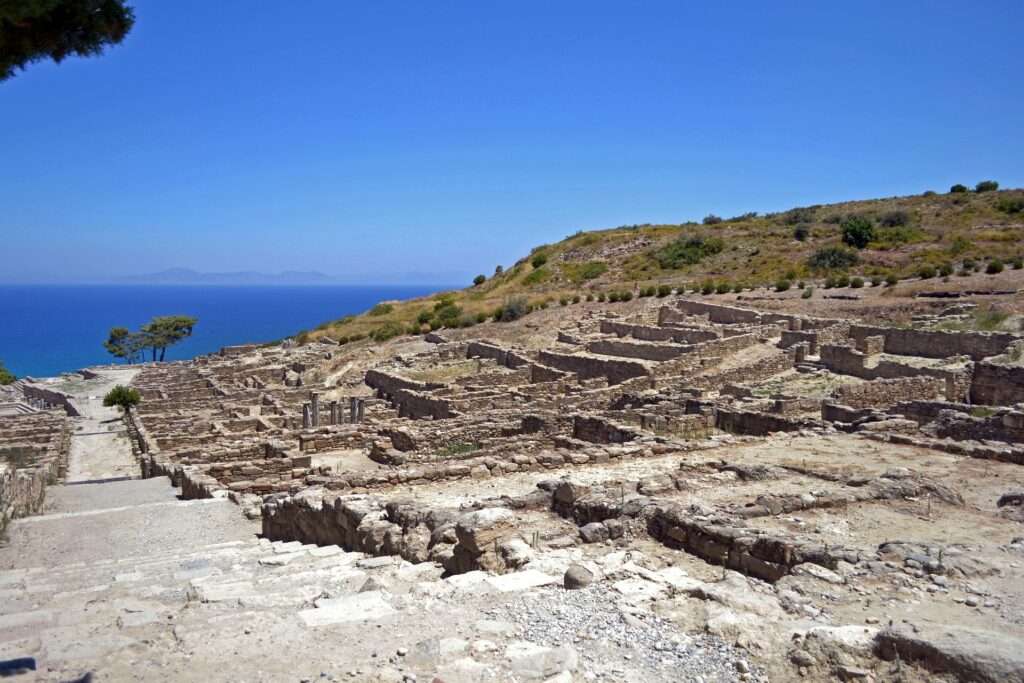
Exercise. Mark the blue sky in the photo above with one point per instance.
(378, 139)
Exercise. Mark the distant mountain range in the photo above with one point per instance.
(186, 276)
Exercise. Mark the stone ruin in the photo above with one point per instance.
(793, 485)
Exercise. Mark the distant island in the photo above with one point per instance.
(186, 276)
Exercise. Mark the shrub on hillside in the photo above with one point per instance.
(858, 231)
(723, 287)
(801, 232)
(1018, 263)
(782, 285)
(857, 282)
(625, 296)
(842, 281)
(894, 219)
(926, 272)
(833, 258)
(737, 288)
(1011, 204)
(969, 264)
(479, 280)
(381, 309)
(946, 269)
(539, 260)
(876, 280)
(801, 214)
(664, 290)
(514, 309)
(994, 266)
(481, 317)
(424, 317)
(688, 251)
(388, 330)
(564, 301)
(957, 189)
(807, 293)
(707, 287)
(712, 219)
(986, 186)
(891, 280)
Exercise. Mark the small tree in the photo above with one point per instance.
(6, 376)
(958, 189)
(479, 280)
(858, 231)
(712, 219)
(122, 397)
(986, 186)
(801, 232)
(539, 260)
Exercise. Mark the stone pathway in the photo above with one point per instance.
(100, 448)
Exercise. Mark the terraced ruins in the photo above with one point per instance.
(659, 490)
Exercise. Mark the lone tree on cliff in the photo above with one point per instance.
(155, 336)
(34, 30)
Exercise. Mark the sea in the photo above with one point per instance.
(49, 329)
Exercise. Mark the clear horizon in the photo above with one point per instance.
(375, 142)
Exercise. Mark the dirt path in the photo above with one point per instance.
(100, 448)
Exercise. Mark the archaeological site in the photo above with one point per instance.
(673, 488)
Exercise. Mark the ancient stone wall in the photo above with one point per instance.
(936, 344)
(996, 384)
(885, 392)
(589, 366)
(600, 430)
(758, 424)
(654, 351)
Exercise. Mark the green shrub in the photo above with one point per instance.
(946, 269)
(876, 280)
(986, 186)
(723, 287)
(829, 258)
(928, 193)
(707, 287)
(122, 397)
(857, 282)
(664, 290)
(712, 219)
(496, 313)
(447, 314)
(1018, 263)
(479, 280)
(424, 317)
(894, 219)
(539, 260)
(858, 231)
(738, 287)
(1011, 204)
(564, 301)
(590, 297)
(540, 274)
(6, 376)
(688, 251)
(782, 285)
(602, 297)
(388, 330)
(834, 219)
(514, 309)
(413, 329)
(481, 317)
(613, 297)
(994, 266)
(807, 293)
(830, 282)
(842, 281)
(969, 264)
(580, 272)
(576, 298)
(381, 309)
(891, 280)
(957, 189)
(625, 296)
(926, 272)
(801, 232)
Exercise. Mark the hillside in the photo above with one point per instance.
(886, 239)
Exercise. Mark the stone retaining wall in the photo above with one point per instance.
(936, 344)
(885, 392)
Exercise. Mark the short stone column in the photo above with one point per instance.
(307, 418)
(360, 409)
(314, 400)
(352, 409)
(334, 412)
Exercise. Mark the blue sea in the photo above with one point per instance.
(49, 329)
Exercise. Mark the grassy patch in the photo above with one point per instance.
(579, 272)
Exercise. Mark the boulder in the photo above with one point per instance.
(577, 576)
